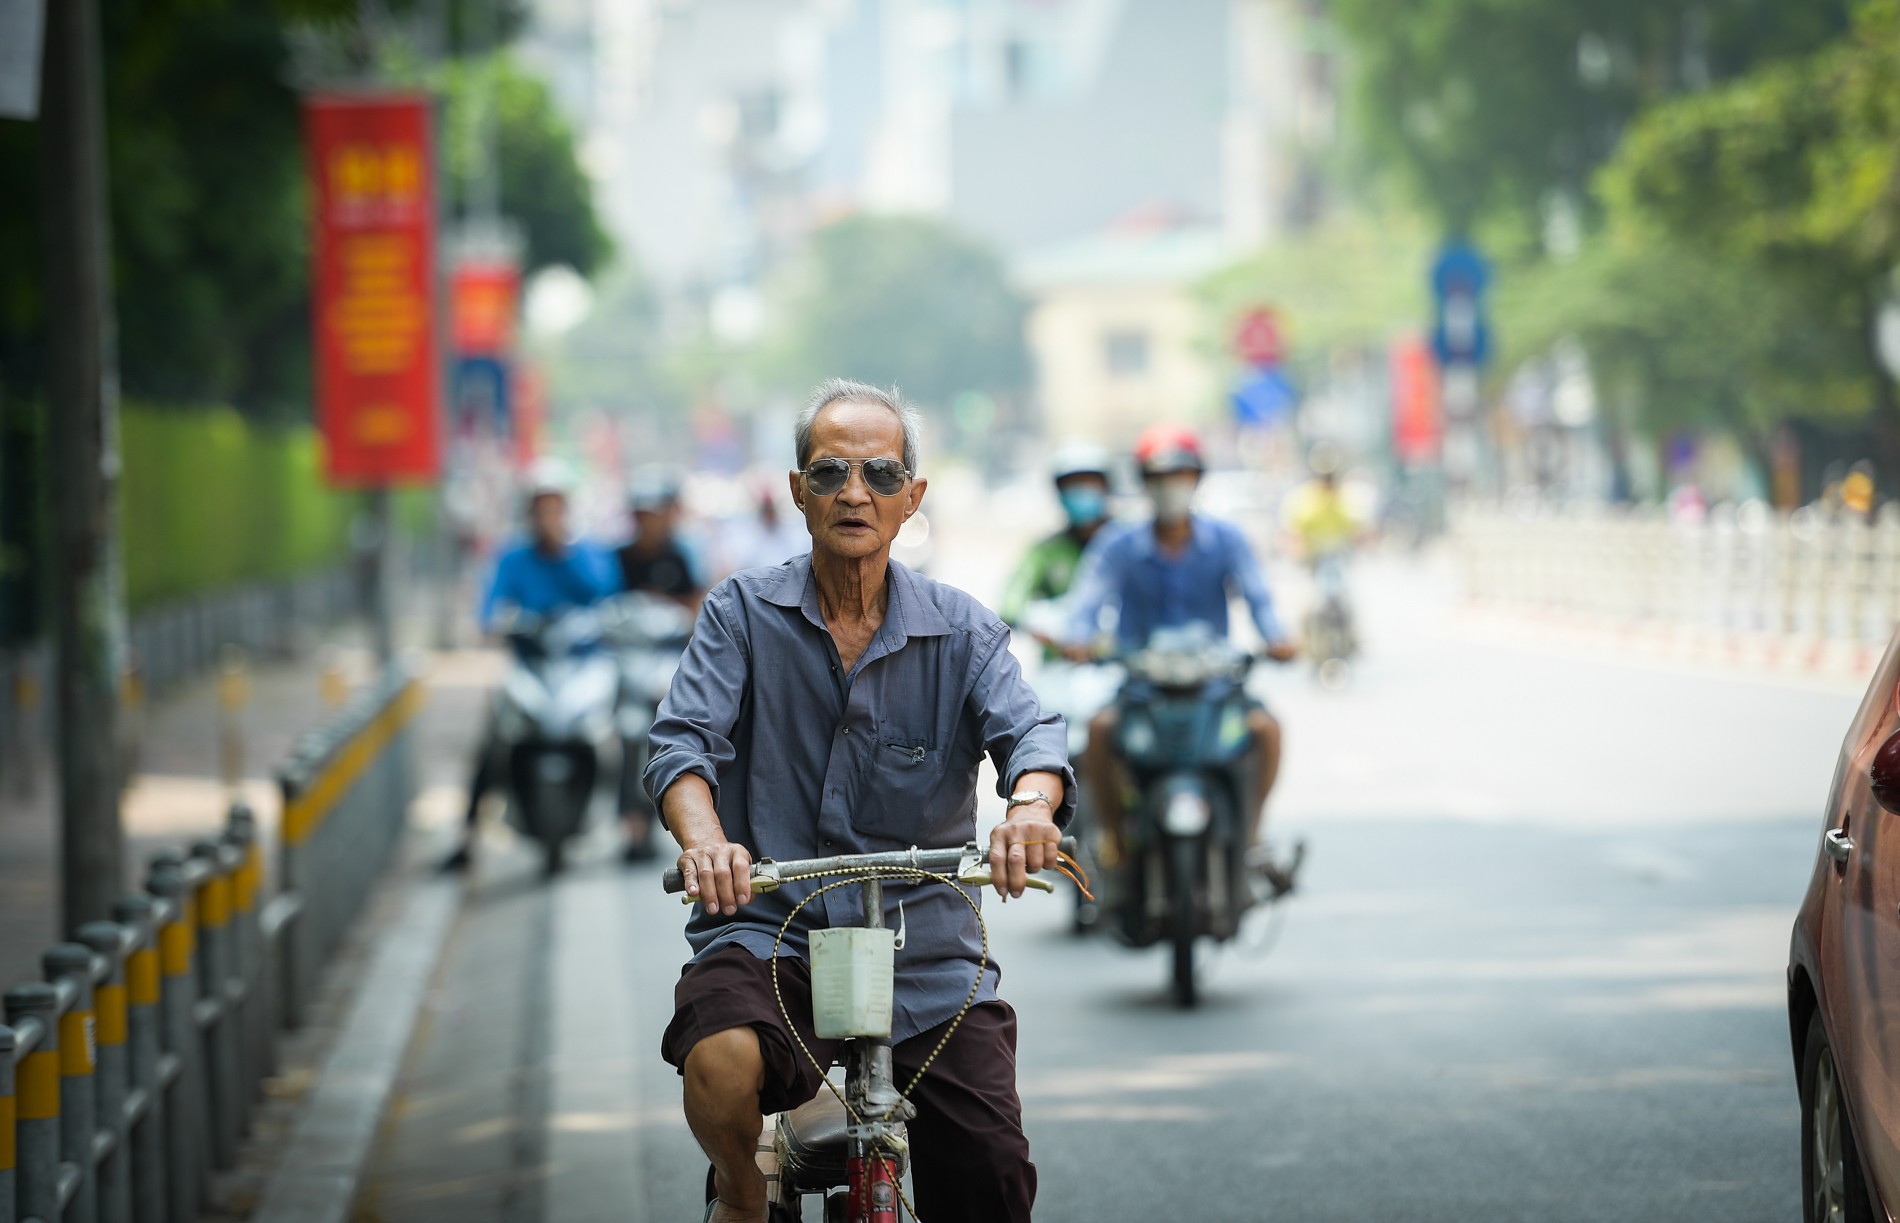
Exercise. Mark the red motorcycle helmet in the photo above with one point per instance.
(1167, 448)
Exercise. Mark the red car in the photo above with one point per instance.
(1844, 977)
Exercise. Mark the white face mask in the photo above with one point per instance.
(1172, 499)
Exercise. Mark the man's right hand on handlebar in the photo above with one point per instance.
(715, 870)
(719, 873)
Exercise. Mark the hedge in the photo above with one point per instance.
(208, 500)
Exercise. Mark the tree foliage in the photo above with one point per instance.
(210, 227)
(542, 186)
(1487, 108)
(901, 300)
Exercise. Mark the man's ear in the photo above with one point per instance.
(917, 487)
(797, 489)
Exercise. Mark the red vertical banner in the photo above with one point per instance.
(372, 249)
(483, 302)
(1418, 424)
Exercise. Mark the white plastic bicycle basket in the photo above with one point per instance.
(852, 977)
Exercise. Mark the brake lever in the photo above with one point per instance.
(975, 872)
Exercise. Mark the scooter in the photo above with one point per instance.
(649, 633)
(1188, 753)
(556, 718)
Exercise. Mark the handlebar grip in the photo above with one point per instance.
(673, 880)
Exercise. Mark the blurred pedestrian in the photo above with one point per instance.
(767, 537)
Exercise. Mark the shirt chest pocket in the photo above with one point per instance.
(902, 780)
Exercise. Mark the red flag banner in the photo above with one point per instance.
(1418, 425)
(482, 308)
(372, 247)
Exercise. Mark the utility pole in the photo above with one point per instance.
(82, 420)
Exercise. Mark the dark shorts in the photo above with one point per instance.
(969, 1156)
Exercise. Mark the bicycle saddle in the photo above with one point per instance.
(811, 1141)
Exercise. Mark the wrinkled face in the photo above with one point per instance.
(854, 522)
(547, 521)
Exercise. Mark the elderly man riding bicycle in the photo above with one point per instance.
(840, 704)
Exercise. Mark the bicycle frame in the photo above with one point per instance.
(876, 1109)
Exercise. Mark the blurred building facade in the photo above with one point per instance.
(1115, 329)
(720, 132)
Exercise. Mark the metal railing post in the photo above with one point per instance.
(145, 1104)
(214, 951)
(8, 1115)
(247, 954)
(35, 1007)
(107, 941)
(185, 1147)
(297, 945)
(70, 965)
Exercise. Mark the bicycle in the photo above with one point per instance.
(854, 1139)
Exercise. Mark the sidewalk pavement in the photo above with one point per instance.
(178, 793)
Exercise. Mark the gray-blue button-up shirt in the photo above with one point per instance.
(805, 760)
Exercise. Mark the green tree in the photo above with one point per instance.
(1793, 170)
(904, 301)
(542, 186)
(1488, 108)
(210, 225)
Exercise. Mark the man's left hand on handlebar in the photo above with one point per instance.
(1025, 842)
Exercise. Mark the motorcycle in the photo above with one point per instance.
(649, 633)
(556, 717)
(1188, 752)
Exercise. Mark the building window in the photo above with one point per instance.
(1125, 352)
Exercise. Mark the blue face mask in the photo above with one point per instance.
(1084, 506)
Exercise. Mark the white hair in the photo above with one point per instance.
(837, 390)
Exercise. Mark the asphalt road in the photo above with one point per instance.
(1534, 972)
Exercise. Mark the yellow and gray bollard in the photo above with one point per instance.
(69, 966)
(111, 1069)
(33, 1014)
(145, 1137)
(214, 964)
(186, 1149)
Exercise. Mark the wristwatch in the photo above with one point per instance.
(1022, 798)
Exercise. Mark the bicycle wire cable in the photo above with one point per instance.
(919, 875)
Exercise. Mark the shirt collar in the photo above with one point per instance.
(1200, 539)
(914, 613)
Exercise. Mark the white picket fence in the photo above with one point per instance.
(1746, 575)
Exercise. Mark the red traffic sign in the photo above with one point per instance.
(1257, 338)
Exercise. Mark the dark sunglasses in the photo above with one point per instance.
(885, 477)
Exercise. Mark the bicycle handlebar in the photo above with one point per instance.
(970, 864)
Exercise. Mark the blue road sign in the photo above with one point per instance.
(1265, 398)
(1460, 332)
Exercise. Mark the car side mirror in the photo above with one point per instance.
(1885, 774)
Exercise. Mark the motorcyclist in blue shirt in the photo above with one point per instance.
(1177, 569)
(546, 573)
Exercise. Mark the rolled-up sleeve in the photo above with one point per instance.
(1017, 735)
(693, 731)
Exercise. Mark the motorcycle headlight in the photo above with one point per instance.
(1187, 814)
